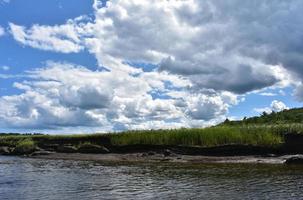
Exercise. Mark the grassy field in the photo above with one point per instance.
(266, 130)
(258, 135)
(206, 137)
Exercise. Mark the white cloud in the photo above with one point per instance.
(268, 94)
(275, 106)
(62, 38)
(9, 76)
(64, 95)
(207, 53)
(278, 106)
(205, 107)
(187, 38)
(5, 68)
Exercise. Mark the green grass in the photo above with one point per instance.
(265, 130)
(207, 137)
(25, 146)
(259, 135)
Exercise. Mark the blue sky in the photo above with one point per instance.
(21, 58)
(91, 66)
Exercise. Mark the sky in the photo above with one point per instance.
(87, 66)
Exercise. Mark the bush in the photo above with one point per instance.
(25, 146)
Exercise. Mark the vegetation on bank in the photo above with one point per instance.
(206, 137)
(203, 137)
(291, 116)
(25, 146)
(267, 130)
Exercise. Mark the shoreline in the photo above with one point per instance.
(101, 148)
(160, 158)
(240, 154)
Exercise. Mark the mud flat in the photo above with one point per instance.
(174, 158)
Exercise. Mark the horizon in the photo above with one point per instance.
(110, 66)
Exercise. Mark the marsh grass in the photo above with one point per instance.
(25, 146)
(259, 135)
(207, 137)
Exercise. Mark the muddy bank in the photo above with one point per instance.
(103, 150)
(165, 150)
(167, 154)
(160, 158)
(226, 150)
(218, 151)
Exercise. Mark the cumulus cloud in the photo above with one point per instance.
(64, 95)
(205, 107)
(63, 38)
(206, 41)
(278, 106)
(275, 106)
(268, 94)
(206, 52)
(219, 44)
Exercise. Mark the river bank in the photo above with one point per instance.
(161, 154)
(289, 153)
(160, 158)
(252, 144)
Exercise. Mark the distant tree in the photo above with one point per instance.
(264, 114)
(226, 121)
(294, 115)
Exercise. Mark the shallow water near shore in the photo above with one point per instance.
(28, 178)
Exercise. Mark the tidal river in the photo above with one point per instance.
(25, 178)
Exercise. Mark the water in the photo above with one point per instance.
(22, 178)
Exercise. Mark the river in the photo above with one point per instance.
(27, 178)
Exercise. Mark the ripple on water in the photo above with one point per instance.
(58, 179)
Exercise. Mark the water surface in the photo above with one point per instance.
(25, 178)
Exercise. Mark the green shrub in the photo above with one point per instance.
(25, 146)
